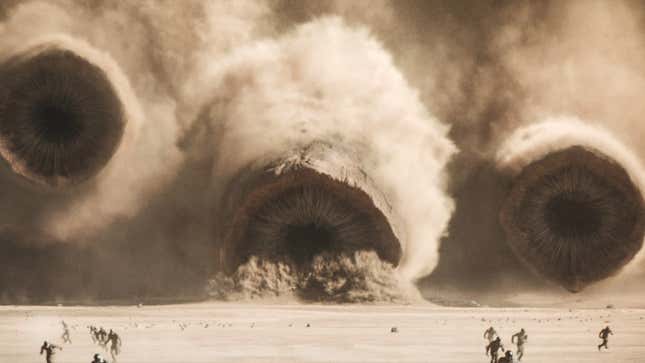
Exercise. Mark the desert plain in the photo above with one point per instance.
(248, 332)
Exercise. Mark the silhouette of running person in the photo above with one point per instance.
(494, 347)
(115, 344)
(102, 338)
(50, 351)
(604, 335)
(521, 339)
(93, 334)
(66, 338)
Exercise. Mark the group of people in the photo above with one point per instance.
(99, 336)
(50, 349)
(102, 337)
(495, 346)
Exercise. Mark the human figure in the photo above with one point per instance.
(98, 359)
(102, 337)
(494, 348)
(115, 344)
(507, 358)
(93, 334)
(50, 351)
(521, 339)
(604, 335)
(97, 334)
(66, 338)
(490, 334)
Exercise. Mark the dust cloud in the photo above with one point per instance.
(221, 94)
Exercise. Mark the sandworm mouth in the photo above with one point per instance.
(574, 216)
(295, 216)
(61, 119)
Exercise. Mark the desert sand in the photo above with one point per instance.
(229, 332)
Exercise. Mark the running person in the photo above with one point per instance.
(66, 338)
(93, 334)
(50, 351)
(521, 339)
(102, 338)
(604, 335)
(494, 348)
(115, 344)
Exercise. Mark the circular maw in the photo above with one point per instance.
(60, 118)
(296, 216)
(574, 216)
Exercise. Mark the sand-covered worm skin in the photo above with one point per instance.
(308, 223)
(310, 201)
(574, 212)
(61, 119)
(310, 98)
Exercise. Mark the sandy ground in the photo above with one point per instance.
(278, 333)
